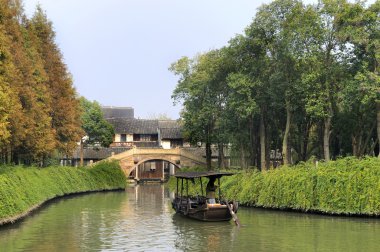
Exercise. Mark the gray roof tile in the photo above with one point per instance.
(169, 129)
(118, 112)
(134, 126)
(171, 133)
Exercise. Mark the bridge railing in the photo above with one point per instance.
(159, 151)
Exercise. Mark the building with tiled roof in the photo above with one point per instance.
(129, 133)
(136, 126)
(146, 133)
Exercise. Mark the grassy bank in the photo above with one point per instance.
(23, 189)
(347, 186)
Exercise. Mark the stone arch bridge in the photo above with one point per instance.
(131, 159)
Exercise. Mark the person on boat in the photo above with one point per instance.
(210, 191)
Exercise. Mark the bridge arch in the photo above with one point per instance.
(135, 157)
(154, 168)
(159, 158)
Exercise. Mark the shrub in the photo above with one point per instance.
(22, 188)
(345, 186)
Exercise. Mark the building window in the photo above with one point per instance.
(145, 138)
(136, 137)
(153, 166)
(123, 137)
(176, 143)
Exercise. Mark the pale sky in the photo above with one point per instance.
(119, 51)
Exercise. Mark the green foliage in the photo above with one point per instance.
(22, 188)
(345, 186)
(302, 80)
(94, 125)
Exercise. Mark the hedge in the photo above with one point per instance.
(347, 186)
(24, 188)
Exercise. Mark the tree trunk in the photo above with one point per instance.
(253, 143)
(242, 156)
(208, 156)
(262, 142)
(326, 139)
(378, 124)
(366, 150)
(9, 155)
(305, 141)
(354, 146)
(221, 159)
(357, 144)
(285, 141)
(267, 148)
(81, 153)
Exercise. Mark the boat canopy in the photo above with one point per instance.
(208, 174)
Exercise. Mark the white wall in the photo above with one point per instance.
(165, 144)
(130, 138)
(117, 137)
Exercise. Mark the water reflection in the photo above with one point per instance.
(195, 235)
(141, 219)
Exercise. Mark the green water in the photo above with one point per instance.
(141, 219)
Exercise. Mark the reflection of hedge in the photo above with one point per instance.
(345, 186)
(21, 189)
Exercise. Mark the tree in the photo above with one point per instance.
(302, 77)
(200, 87)
(7, 96)
(97, 129)
(41, 112)
(283, 26)
(31, 140)
(64, 107)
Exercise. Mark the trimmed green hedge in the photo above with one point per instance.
(347, 186)
(22, 188)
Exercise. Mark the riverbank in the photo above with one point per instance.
(348, 186)
(23, 189)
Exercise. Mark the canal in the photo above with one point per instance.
(141, 219)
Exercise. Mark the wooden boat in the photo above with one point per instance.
(204, 207)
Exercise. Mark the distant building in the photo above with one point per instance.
(146, 133)
(129, 133)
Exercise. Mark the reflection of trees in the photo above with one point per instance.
(142, 219)
(268, 230)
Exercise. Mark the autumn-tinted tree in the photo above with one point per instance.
(64, 109)
(39, 113)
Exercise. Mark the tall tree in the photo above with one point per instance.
(304, 77)
(7, 96)
(65, 107)
(282, 23)
(200, 87)
(32, 136)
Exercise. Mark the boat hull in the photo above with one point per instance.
(211, 214)
(203, 212)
